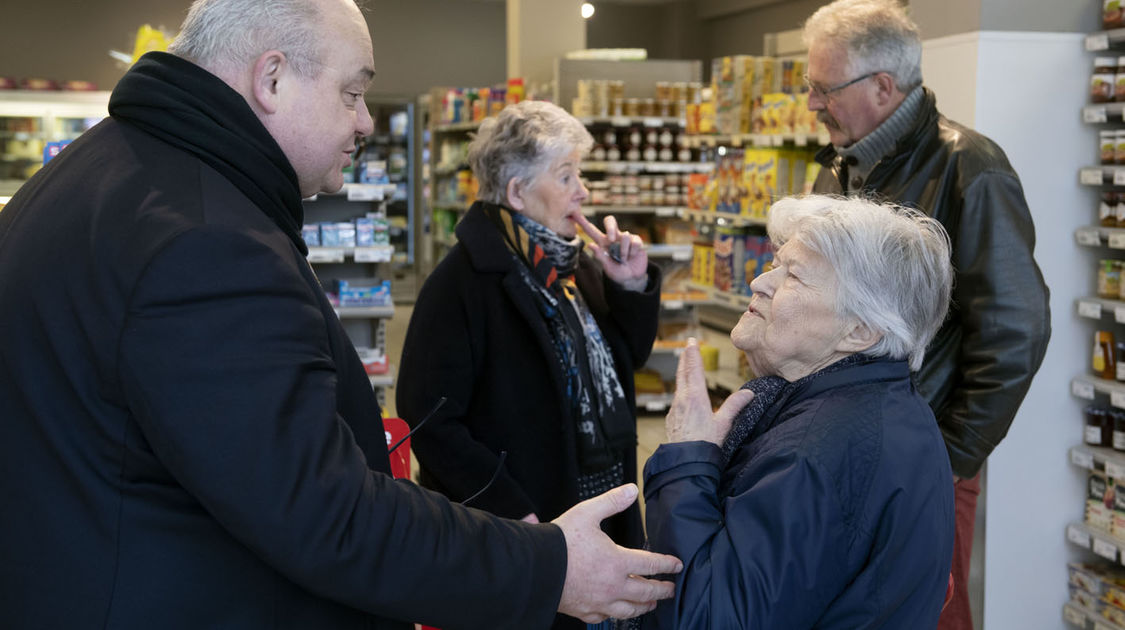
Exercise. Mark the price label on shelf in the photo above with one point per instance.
(1114, 470)
(619, 121)
(1117, 240)
(736, 140)
(1077, 536)
(656, 406)
(1117, 399)
(1119, 314)
(1105, 549)
(1094, 114)
(1082, 389)
(777, 140)
(665, 212)
(1090, 176)
(681, 255)
(373, 254)
(1119, 176)
(1101, 626)
(1088, 236)
(1093, 310)
(1097, 41)
(801, 140)
(673, 305)
(1082, 458)
(325, 255)
(653, 122)
(365, 192)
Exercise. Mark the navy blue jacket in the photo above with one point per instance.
(837, 512)
(187, 437)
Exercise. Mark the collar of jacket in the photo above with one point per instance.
(924, 127)
(482, 241)
(873, 370)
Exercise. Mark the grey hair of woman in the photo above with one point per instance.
(892, 264)
(523, 141)
(223, 35)
(877, 35)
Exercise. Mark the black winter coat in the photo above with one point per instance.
(188, 439)
(477, 337)
(979, 366)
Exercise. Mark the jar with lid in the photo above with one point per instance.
(1107, 209)
(1119, 82)
(1117, 418)
(1109, 279)
(597, 154)
(1119, 347)
(612, 153)
(1104, 361)
(1111, 14)
(1119, 146)
(1103, 79)
(1107, 146)
(1099, 426)
(1120, 210)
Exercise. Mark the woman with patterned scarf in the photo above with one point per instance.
(531, 336)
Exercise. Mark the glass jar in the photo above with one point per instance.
(1099, 426)
(1109, 279)
(1104, 360)
(1117, 419)
(1107, 209)
(1107, 146)
(1103, 79)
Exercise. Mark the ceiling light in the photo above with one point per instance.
(587, 10)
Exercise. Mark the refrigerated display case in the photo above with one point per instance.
(29, 120)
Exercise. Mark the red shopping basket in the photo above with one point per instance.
(395, 430)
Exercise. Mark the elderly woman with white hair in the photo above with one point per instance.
(532, 339)
(825, 502)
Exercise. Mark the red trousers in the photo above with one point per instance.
(957, 615)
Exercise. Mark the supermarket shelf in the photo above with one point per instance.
(1100, 542)
(445, 242)
(1099, 458)
(629, 121)
(1094, 236)
(1077, 616)
(380, 253)
(660, 211)
(647, 167)
(383, 380)
(1093, 307)
(451, 205)
(1104, 40)
(724, 378)
(733, 301)
(457, 127)
(679, 301)
(1086, 386)
(360, 192)
(442, 171)
(1103, 112)
(1101, 175)
(654, 402)
(721, 218)
(672, 350)
(365, 312)
(758, 139)
(675, 252)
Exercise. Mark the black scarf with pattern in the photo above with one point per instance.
(594, 396)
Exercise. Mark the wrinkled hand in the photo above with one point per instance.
(632, 271)
(602, 579)
(690, 418)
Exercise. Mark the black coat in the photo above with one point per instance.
(477, 337)
(188, 439)
(979, 366)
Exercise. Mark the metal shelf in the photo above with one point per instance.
(1103, 113)
(1099, 458)
(647, 167)
(360, 192)
(734, 301)
(660, 211)
(1087, 387)
(457, 127)
(377, 253)
(1077, 616)
(629, 121)
(720, 218)
(1102, 175)
(654, 402)
(1100, 542)
(758, 139)
(1096, 236)
(365, 312)
(675, 252)
(1104, 40)
(1093, 307)
(725, 378)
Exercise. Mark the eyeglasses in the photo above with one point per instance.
(825, 93)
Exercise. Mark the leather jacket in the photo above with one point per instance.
(979, 366)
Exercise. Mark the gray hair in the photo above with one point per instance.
(877, 35)
(892, 265)
(223, 34)
(522, 141)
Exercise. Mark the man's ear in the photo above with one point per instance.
(860, 338)
(886, 88)
(515, 193)
(269, 70)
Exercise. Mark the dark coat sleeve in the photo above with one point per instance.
(635, 314)
(1002, 306)
(748, 563)
(249, 428)
(440, 358)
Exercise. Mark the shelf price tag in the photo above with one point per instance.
(1077, 536)
(673, 305)
(1090, 176)
(1119, 176)
(1114, 470)
(1117, 399)
(1119, 314)
(1093, 310)
(1082, 389)
(1105, 549)
(665, 212)
(801, 140)
(619, 121)
(1097, 41)
(1117, 240)
(681, 255)
(1101, 626)
(656, 405)
(325, 255)
(1082, 458)
(365, 192)
(653, 122)
(1088, 236)
(1094, 114)
(373, 254)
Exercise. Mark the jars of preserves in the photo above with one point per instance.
(1104, 360)
(1109, 279)
(1099, 426)
(1107, 146)
(1103, 80)
(1107, 209)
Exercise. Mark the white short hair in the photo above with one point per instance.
(224, 34)
(877, 36)
(892, 264)
(522, 141)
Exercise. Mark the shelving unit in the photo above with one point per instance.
(30, 119)
(758, 140)
(1083, 618)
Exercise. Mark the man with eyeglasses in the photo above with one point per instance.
(889, 141)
